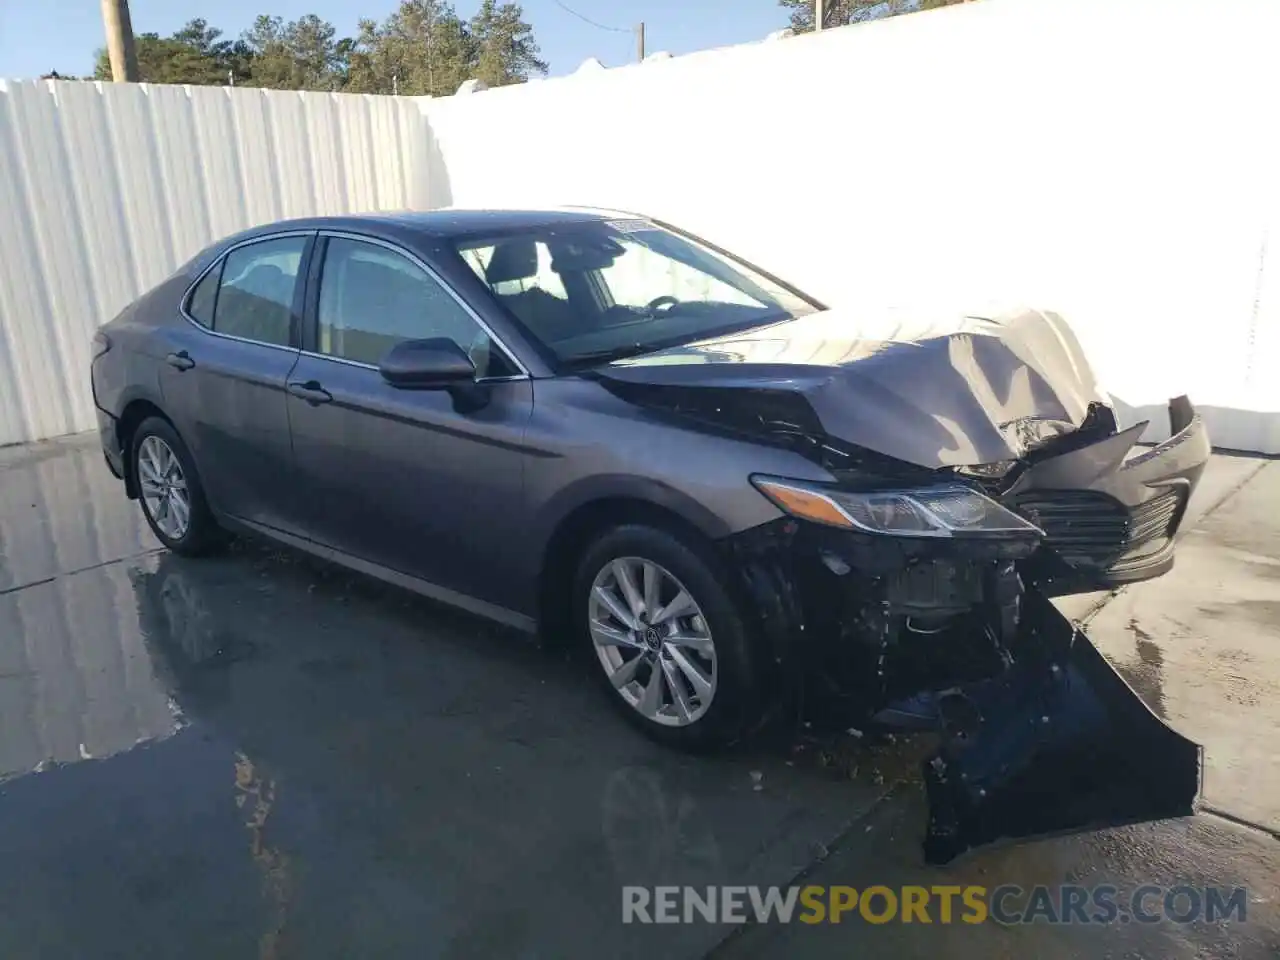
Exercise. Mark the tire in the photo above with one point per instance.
(152, 441)
(725, 658)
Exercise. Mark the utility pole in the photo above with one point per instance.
(640, 42)
(124, 58)
(817, 14)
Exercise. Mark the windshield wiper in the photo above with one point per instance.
(593, 357)
(622, 352)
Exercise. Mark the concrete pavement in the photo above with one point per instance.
(1202, 647)
(257, 755)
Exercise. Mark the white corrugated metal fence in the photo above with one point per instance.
(1115, 162)
(107, 188)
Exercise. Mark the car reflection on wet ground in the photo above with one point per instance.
(259, 755)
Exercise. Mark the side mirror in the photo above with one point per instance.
(435, 364)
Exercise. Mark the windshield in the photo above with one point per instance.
(601, 290)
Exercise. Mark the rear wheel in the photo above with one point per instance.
(169, 490)
(666, 638)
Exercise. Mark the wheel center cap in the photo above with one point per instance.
(652, 638)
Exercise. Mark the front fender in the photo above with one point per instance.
(621, 486)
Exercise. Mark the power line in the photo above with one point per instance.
(600, 26)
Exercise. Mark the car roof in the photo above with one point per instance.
(451, 222)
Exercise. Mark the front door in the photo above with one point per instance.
(223, 378)
(406, 479)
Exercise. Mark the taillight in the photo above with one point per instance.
(101, 344)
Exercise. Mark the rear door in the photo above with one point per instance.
(406, 479)
(223, 380)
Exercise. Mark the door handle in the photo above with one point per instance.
(310, 391)
(180, 360)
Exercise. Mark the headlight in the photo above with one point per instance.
(995, 470)
(943, 511)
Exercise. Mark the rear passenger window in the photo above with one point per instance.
(203, 298)
(255, 297)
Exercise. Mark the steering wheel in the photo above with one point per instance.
(666, 300)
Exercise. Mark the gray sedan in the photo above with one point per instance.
(600, 427)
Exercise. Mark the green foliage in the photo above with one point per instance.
(840, 13)
(502, 46)
(299, 55)
(422, 47)
(194, 54)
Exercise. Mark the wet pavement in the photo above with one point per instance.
(260, 756)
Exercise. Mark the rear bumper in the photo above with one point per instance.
(111, 451)
(1110, 516)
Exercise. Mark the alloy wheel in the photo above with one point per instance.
(653, 641)
(165, 495)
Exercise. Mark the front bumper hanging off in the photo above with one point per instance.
(1058, 743)
(1039, 735)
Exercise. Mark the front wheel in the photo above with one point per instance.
(669, 645)
(170, 491)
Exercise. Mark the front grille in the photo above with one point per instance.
(1090, 529)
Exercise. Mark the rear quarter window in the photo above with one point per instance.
(204, 298)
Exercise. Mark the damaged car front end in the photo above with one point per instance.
(914, 588)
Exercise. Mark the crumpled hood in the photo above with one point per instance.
(965, 391)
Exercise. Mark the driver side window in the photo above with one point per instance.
(372, 298)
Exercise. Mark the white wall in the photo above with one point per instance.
(106, 188)
(1115, 160)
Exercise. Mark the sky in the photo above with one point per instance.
(37, 36)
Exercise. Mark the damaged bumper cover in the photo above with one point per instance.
(1109, 516)
(1058, 743)
(1039, 734)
